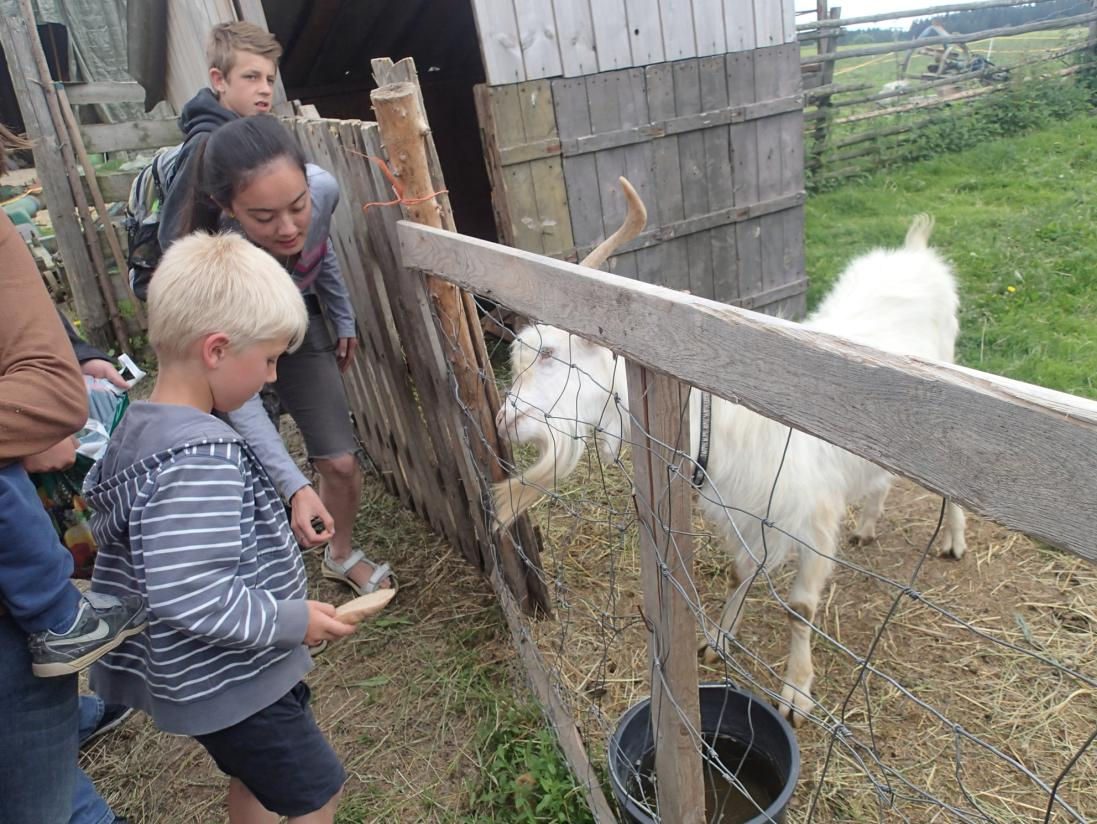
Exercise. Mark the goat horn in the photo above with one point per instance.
(635, 220)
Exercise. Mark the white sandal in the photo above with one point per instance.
(338, 571)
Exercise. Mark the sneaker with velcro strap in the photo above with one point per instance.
(102, 623)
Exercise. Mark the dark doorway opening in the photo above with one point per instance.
(328, 47)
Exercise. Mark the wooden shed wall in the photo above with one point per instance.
(713, 145)
(531, 39)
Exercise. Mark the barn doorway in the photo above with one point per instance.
(328, 47)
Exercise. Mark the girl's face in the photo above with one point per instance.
(274, 207)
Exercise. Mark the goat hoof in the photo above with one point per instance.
(709, 656)
(795, 705)
(858, 539)
(953, 550)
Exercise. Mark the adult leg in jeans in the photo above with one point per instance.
(38, 723)
(88, 807)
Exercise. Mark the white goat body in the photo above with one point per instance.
(566, 389)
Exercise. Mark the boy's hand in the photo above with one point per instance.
(344, 352)
(306, 507)
(99, 368)
(59, 456)
(323, 625)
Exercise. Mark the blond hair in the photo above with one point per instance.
(221, 283)
(225, 39)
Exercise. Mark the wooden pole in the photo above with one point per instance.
(403, 128)
(97, 199)
(15, 37)
(69, 161)
(826, 45)
(662, 470)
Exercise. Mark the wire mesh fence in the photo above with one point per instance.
(943, 690)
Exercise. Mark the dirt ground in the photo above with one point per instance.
(402, 699)
(964, 661)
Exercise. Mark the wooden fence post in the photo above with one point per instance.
(15, 37)
(403, 128)
(662, 472)
(824, 45)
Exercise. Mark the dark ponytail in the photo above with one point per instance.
(230, 158)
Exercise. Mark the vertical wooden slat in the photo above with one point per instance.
(668, 262)
(16, 36)
(791, 126)
(569, 97)
(691, 151)
(739, 23)
(663, 505)
(644, 32)
(788, 8)
(537, 36)
(546, 174)
(499, 42)
(767, 85)
(575, 34)
(679, 38)
(769, 23)
(617, 101)
(744, 151)
(709, 27)
(718, 179)
(517, 178)
(611, 34)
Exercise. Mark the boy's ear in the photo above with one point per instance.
(216, 79)
(213, 349)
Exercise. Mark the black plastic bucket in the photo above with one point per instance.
(753, 742)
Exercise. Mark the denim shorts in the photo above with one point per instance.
(280, 755)
(310, 388)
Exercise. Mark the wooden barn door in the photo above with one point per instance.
(712, 144)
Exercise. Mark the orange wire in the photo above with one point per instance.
(397, 189)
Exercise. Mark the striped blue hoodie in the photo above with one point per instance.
(185, 516)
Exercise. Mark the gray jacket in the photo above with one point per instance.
(185, 517)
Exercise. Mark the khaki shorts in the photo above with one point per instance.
(310, 388)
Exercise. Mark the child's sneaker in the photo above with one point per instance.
(113, 716)
(102, 623)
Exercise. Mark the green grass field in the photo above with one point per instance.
(1017, 219)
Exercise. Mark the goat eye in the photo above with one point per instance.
(545, 354)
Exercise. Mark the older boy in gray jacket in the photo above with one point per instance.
(186, 516)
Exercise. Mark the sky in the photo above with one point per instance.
(863, 8)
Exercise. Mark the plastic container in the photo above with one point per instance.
(753, 742)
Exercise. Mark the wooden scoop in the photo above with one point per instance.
(364, 606)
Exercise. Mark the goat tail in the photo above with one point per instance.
(918, 233)
(518, 493)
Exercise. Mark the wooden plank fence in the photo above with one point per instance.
(839, 116)
(410, 418)
(1017, 454)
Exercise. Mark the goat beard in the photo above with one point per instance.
(560, 444)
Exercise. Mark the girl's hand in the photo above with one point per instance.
(344, 352)
(323, 625)
(306, 507)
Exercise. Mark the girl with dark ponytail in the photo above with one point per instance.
(253, 179)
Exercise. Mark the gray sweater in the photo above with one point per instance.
(185, 517)
(317, 271)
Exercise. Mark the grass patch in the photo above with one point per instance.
(1017, 219)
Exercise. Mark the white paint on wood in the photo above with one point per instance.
(1006, 451)
(499, 41)
(575, 36)
(709, 28)
(739, 24)
(789, 8)
(645, 32)
(679, 39)
(611, 34)
(537, 35)
(769, 23)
